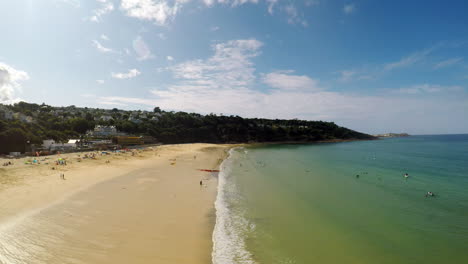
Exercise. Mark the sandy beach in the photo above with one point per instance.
(140, 207)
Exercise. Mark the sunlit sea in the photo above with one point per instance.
(345, 203)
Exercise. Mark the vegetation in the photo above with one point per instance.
(35, 123)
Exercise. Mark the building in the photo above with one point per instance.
(104, 131)
(51, 145)
(5, 113)
(106, 118)
(134, 120)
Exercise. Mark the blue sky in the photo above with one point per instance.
(374, 66)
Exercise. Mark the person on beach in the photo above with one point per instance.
(201, 183)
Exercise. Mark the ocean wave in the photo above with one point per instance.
(228, 235)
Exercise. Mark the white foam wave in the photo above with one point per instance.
(228, 241)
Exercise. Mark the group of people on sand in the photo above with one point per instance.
(61, 162)
(7, 163)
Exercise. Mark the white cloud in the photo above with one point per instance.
(162, 12)
(209, 2)
(104, 37)
(10, 79)
(141, 49)
(447, 63)
(132, 73)
(106, 7)
(169, 58)
(229, 67)
(100, 81)
(101, 48)
(285, 81)
(349, 8)
(158, 11)
(271, 5)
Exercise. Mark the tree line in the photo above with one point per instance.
(168, 127)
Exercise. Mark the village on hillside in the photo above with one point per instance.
(104, 135)
(38, 129)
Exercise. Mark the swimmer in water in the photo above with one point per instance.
(406, 175)
(431, 194)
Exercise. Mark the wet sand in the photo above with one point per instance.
(144, 209)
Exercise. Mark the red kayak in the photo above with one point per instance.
(208, 170)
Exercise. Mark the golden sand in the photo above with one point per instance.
(146, 207)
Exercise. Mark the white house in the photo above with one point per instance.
(50, 144)
(104, 131)
(106, 118)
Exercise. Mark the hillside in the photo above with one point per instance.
(23, 122)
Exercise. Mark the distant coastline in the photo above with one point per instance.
(389, 135)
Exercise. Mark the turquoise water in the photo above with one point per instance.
(304, 203)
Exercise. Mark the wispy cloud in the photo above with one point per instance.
(294, 16)
(74, 3)
(349, 8)
(271, 6)
(230, 67)
(159, 12)
(162, 12)
(101, 48)
(100, 81)
(132, 73)
(104, 37)
(429, 89)
(374, 72)
(106, 7)
(169, 58)
(142, 49)
(214, 28)
(409, 60)
(10, 79)
(286, 81)
(162, 36)
(447, 63)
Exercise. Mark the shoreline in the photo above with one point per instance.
(32, 192)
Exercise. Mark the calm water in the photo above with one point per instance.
(304, 203)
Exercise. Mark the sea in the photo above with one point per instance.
(345, 203)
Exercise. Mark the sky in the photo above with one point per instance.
(372, 66)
